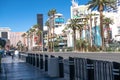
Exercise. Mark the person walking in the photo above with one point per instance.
(12, 54)
(16, 53)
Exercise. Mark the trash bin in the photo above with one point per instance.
(53, 70)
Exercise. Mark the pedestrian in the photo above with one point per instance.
(16, 53)
(12, 54)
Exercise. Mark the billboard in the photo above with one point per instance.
(59, 20)
(79, 11)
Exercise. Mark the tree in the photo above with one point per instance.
(48, 26)
(38, 32)
(51, 15)
(19, 44)
(2, 43)
(73, 24)
(101, 5)
(107, 21)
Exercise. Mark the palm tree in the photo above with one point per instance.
(80, 28)
(37, 32)
(31, 31)
(101, 5)
(24, 37)
(51, 15)
(74, 23)
(48, 25)
(107, 21)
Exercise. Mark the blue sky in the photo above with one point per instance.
(20, 15)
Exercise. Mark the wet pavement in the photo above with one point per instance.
(15, 69)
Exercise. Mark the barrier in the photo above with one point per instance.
(37, 60)
(116, 71)
(80, 69)
(103, 70)
(46, 62)
(41, 61)
(90, 69)
(75, 68)
(33, 59)
(61, 68)
(69, 69)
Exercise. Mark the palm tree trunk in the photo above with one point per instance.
(51, 43)
(90, 31)
(53, 39)
(74, 35)
(48, 41)
(80, 32)
(108, 35)
(53, 30)
(102, 31)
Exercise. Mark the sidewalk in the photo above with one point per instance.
(19, 70)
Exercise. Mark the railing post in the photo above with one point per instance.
(41, 61)
(46, 62)
(90, 69)
(61, 67)
(72, 68)
(37, 60)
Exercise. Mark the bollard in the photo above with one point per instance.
(52, 56)
(37, 60)
(46, 62)
(33, 59)
(71, 68)
(61, 67)
(41, 61)
(116, 71)
(30, 58)
(27, 57)
(90, 69)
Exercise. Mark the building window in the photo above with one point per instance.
(4, 35)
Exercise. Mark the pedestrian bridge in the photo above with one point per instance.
(62, 66)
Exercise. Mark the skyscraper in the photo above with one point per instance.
(40, 23)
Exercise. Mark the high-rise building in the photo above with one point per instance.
(15, 37)
(40, 23)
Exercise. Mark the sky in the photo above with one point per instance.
(21, 15)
